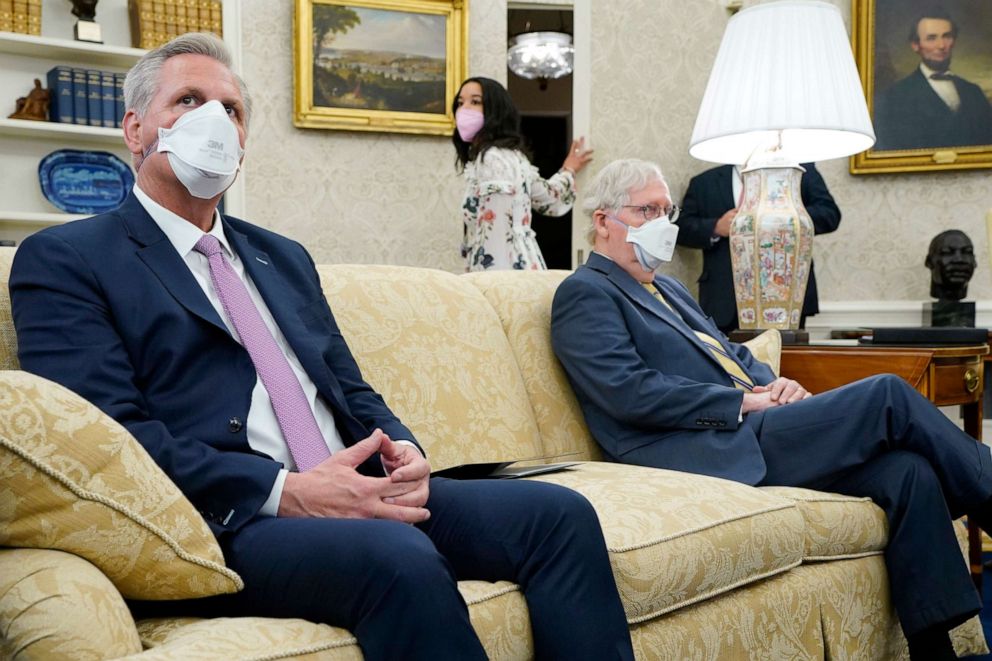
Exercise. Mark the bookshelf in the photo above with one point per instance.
(24, 143)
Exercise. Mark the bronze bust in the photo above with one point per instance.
(84, 10)
(951, 260)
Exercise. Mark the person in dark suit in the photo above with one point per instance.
(659, 385)
(932, 107)
(211, 341)
(709, 206)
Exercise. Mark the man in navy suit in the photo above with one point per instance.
(173, 319)
(709, 206)
(659, 385)
(932, 107)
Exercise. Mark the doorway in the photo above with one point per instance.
(546, 122)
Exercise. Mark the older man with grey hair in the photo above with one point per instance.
(659, 385)
(211, 341)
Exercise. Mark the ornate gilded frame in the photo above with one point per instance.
(309, 115)
(863, 34)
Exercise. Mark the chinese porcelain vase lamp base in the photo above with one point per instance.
(771, 248)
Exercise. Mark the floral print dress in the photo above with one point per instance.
(502, 187)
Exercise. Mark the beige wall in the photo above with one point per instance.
(389, 198)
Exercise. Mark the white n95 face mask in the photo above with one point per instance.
(204, 150)
(654, 241)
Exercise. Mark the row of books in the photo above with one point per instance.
(86, 96)
(154, 22)
(23, 16)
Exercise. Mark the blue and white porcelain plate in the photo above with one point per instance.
(79, 181)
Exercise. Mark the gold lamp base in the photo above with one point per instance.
(771, 246)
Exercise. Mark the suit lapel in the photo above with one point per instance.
(640, 296)
(160, 256)
(284, 304)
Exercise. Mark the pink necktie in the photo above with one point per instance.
(293, 412)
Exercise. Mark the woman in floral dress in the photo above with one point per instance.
(502, 185)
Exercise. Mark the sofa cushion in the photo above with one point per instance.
(677, 538)
(73, 479)
(837, 526)
(8, 339)
(522, 299)
(55, 605)
(432, 346)
(497, 610)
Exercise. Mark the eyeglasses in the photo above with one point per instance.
(653, 211)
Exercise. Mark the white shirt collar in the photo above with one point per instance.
(927, 71)
(181, 233)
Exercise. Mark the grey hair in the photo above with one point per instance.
(141, 82)
(611, 187)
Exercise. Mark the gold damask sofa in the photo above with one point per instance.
(707, 569)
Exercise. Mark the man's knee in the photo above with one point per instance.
(902, 476)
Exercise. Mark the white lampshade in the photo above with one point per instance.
(783, 68)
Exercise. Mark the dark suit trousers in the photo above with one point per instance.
(880, 438)
(394, 585)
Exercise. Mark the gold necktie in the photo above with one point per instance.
(740, 378)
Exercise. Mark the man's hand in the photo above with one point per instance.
(334, 489)
(406, 466)
(784, 391)
(722, 227)
(779, 392)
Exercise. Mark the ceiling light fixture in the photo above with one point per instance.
(541, 55)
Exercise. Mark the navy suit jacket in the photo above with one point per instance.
(651, 391)
(910, 115)
(108, 308)
(709, 196)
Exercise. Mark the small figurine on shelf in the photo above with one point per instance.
(86, 28)
(34, 105)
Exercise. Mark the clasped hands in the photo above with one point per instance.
(779, 392)
(335, 489)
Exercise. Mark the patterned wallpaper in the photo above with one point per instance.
(390, 198)
(352, 197)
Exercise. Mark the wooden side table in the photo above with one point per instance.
(944, 375)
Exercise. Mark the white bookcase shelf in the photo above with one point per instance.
(38, 217)
(27, 128)
(70, 51)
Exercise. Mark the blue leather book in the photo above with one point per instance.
(107, 99)
(79, 111)
(119, 99)
(60, 85)
(94, 108)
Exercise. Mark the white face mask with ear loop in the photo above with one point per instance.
(204, 150)
(654, 241)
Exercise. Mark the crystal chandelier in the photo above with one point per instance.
(541, 55)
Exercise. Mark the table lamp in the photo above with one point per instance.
(784, 90)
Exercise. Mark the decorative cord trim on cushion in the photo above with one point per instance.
(713, 593)
(843, 556)
(693, 531)
(493, 595)
(828, 498)
(300, 651)
(84, 494)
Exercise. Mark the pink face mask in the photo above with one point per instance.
(468, 122)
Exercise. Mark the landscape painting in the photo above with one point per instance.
(381, 66)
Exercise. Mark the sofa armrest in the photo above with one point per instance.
(55, 605)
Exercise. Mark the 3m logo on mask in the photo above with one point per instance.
(215, 144)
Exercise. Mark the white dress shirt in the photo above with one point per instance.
(262, 427)
(945, 89)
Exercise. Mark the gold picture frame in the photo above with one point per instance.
(880, 35)
(377, 65)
